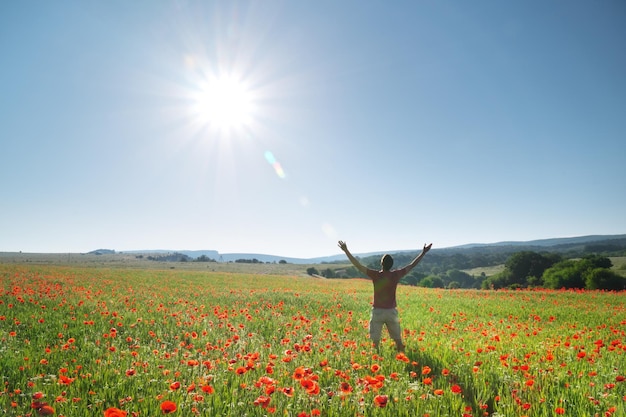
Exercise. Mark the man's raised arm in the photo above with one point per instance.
(417, 259)
(352, 259)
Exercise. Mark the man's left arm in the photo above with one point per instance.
(417, 259)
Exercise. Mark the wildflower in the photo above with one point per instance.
(63, 380)
(114, 412)
(456, 389)
(345, 388)
(262, 401)
(311, 387)
(426, 370)
(381, 400)
(559, 410)
(46, 410)
(168, 407)
(402, 357)
(174, 385)
(43, 409)
(207, 389)
(438, 392)
(299, 373)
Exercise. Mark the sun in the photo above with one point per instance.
(224, 103)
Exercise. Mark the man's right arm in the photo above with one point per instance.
(352, 259)
(417, 259)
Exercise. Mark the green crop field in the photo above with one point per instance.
(77, 341)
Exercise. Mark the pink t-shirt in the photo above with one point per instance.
(385, 284)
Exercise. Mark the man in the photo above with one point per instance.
(385, 283)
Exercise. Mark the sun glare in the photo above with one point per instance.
(225, 103)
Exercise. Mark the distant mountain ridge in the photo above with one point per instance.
(554, 244)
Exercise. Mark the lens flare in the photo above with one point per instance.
(269, 157)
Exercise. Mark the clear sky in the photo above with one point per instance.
(279, 127)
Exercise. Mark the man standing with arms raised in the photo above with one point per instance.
(385, 282)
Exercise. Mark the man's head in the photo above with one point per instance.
(386, 262)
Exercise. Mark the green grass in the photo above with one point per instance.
(619, 265)
(218, 344)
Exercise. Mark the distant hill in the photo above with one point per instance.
(597, 243)
(102, 252)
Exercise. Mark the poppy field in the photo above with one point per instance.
(128, 342)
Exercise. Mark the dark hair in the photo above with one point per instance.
(386, 262)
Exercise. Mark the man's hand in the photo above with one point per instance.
(342, 245)
(426, 248)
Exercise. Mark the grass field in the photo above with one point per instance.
(112, 342)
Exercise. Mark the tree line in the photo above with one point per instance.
(523, 269)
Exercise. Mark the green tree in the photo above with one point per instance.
(496, 282)
(463, 279)
(312, 271)
(523, 265)
(413, 278)
(565, 274)
(603, 279)
(432, 281)
(328, 273)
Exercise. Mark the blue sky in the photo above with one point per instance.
(387, 125)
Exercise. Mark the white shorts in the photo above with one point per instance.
(388, 317)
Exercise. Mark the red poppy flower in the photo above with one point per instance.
(63, 380)
(174, 385)
(43, 409)
(345, 388)
(310, 386)
(299, 373)
(46, 410)
(114, 412)
(456, 389)
(381, 401)
(559, 410)
(168, 407)
(262, 401)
